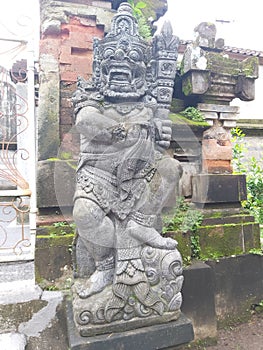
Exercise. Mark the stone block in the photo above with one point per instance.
(195, 82)
(48, 113)
(227, 231)
(228, 116)
(217, 108)
(210, 115)
(13, 340)
(217, 241)
(18, 271)
(184, 243)
(251, 232)
(50, 46)
(56, 183)
(52, 256)
(238, 284)
(198, 299)
(218, 188)
(211, 149)
(212, 166)
(229, 124)
(155, 337)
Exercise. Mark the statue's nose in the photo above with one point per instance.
(119, 55)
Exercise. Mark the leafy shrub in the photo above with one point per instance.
(193, 114)
(185, 219)
(254, 175)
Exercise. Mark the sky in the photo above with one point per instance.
(242, 31)
(20, 20)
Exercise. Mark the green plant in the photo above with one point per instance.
(256, 251)
(254, 175)
(254, 200)
(195, 246)
(238, 149)
(143, 27)
(62, 228)
(185, 219)
(193, 114)
(257, 307)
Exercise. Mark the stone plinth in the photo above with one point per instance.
(151, 338)
(226, 114)
(227, 229)
(218, 188)
(216, 157)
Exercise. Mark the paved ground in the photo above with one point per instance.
(247, 336)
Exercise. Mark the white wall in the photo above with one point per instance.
(252, 109)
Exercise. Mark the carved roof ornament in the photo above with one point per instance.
(206, 36)
(210, 75)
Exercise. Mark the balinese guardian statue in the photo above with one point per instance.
(125, 269)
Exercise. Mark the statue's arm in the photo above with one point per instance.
(163, 132)
(94, 125)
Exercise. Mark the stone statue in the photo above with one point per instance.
(125, 269)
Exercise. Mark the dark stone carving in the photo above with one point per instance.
(125, 269)
(210, 76)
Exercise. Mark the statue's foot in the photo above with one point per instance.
(96, 283)
(150, 236)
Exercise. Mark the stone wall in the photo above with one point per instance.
(66, 52)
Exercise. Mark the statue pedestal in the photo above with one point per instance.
(227, 229)
(161, 336)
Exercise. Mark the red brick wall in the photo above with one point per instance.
(73, 49)
(76, 50)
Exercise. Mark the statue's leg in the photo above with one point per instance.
(97, 232)
(163, 187)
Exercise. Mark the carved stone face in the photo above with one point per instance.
(123, 71)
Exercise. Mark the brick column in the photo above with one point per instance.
(66, 52)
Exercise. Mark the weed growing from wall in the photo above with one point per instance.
(254, 175)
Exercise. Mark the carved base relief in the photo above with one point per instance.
(144, 292)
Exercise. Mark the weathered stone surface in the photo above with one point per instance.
(48, 111)
(217, 108)
(61, 11)
(218, 241)
(227, 231)
(184, 243)
(213, 150)
(211, 77)
(56, 183)
(12, 315)
(52, 257)
(238, 284)
(199, 303)
(156, 337)
(221, 188)
(124, 180)
(18, 271)
(227, 239)
(13, 341)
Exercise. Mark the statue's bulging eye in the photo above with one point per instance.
(108, 53)
(135, 55)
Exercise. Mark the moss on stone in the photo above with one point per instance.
(250, 67)
(184, 244)
(178, 118)
(12, 315)
(221, 64)
(220, 240)
(52, 241)
(187, 86)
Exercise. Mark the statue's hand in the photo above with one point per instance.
(163, 132)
